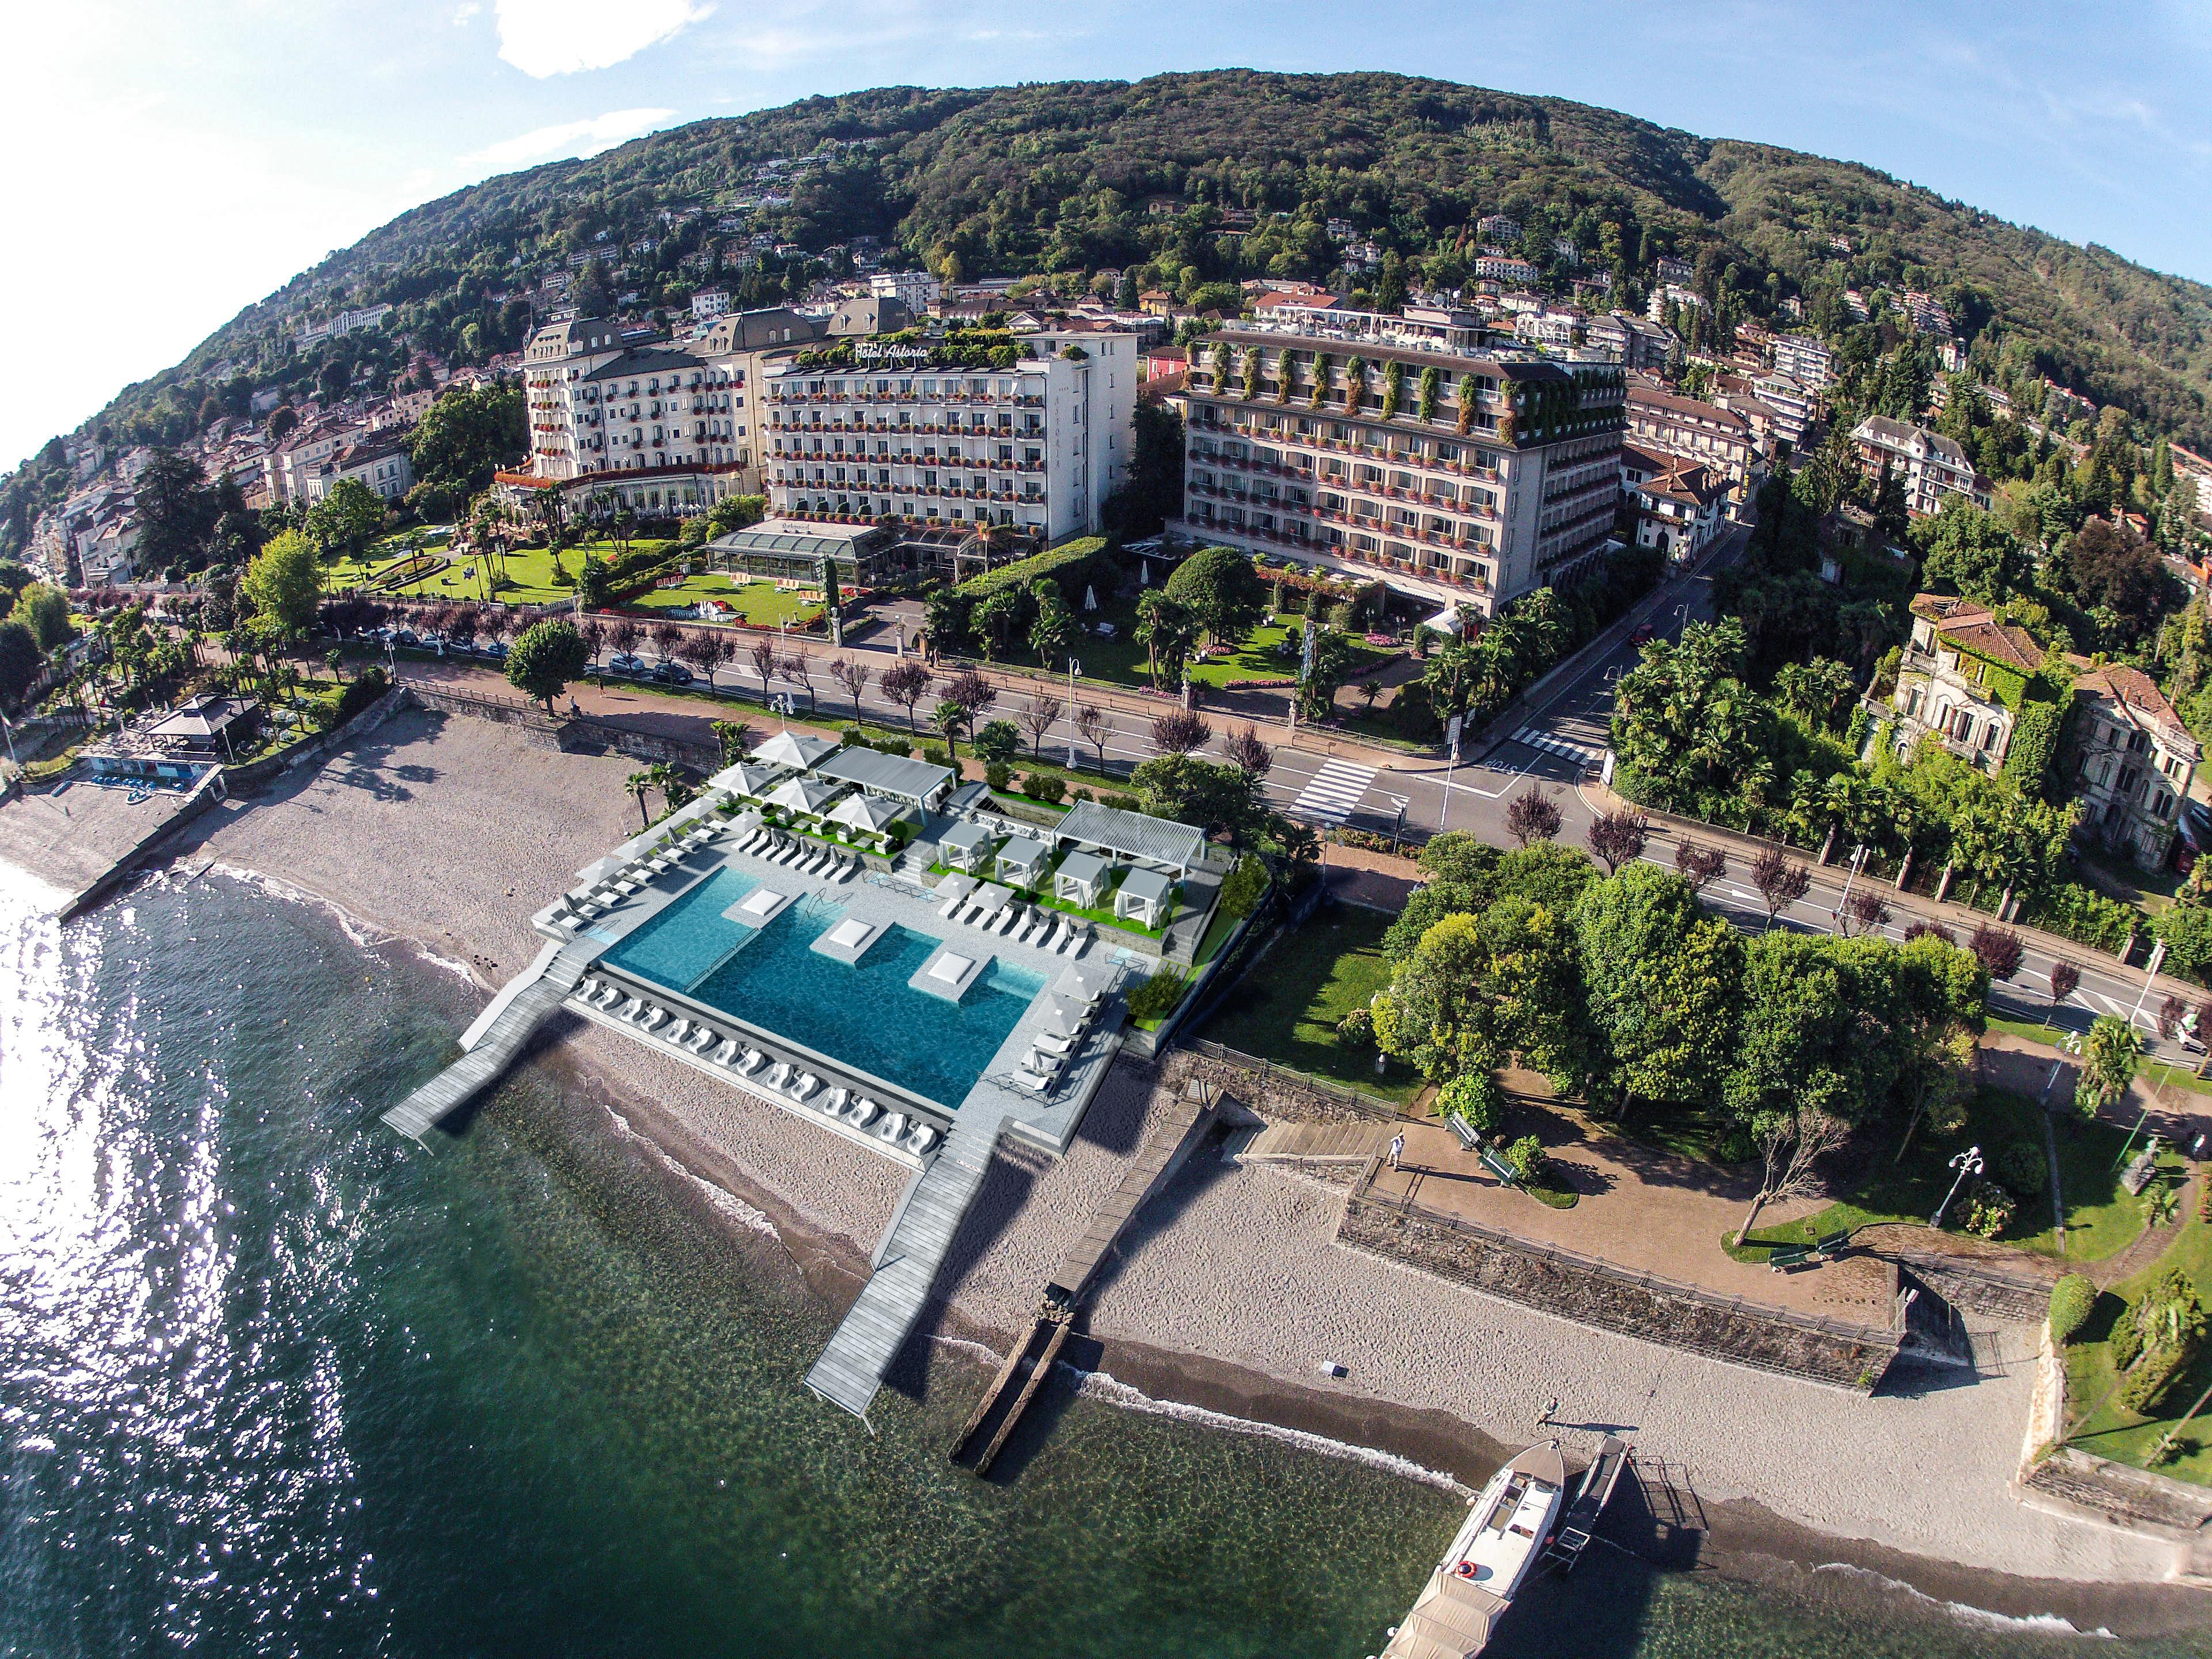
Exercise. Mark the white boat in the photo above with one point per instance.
(1496, 1550)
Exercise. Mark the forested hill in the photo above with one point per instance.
(1077, 177)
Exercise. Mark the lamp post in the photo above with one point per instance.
(1075, 673)
(1966, 1163)
(1858, 857)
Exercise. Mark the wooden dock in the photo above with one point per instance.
(851, 1369)
(1162, 1154)
(493, 1046)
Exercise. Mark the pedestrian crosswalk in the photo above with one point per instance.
(1333, 793)
(1551, 744)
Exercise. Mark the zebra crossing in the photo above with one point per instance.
(1551, 744)
(1331, 794)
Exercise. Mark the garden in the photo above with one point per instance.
(759, 602)
(2137, 1363)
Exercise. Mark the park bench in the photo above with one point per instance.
(1834, 1245)
(1498, 1167)
(1470, 1137)
(1786, 1256)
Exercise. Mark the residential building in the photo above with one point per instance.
(380, 465)
(2137, 760)
(1671, 297)
(1490, 268)
(709, 303)
(872, 315)
(1693, 429)
(1679, 272)
(1793, 404)
(291, 468)
(1806, 359)
(1962, 678)
(345, 322)
(1930, 464)
(1490, 474)
(1497, 228)
(1637, 345)
(1556, 330)
(1679, 505)
(908, 432)
(917, 290)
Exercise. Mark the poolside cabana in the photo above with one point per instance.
(1081, 880)
(966, 847)
(1156, 843)
(810, 797)
(895, 777)
(745, 782)
(1023, 862)
(1146, 896)
(868, 814)
(797, 750)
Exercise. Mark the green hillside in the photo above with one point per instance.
(1069, 177)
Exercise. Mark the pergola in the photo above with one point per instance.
(1161, 843)
(1022, 861)
(1081, 877)
(1146, 895)
(964, 845)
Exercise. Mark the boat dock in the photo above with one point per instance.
(1155, 1163)
(497, 1036)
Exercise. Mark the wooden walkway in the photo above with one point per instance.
(851, 1369)
(1317, 1143)
(495, 1045)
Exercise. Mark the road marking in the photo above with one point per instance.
(1566, 748)
(1334, 792)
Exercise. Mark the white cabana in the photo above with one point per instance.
(794, 750)
(808, 795)
(1022, 861)
(965, 845)
(1147, 895)
(1081, 880)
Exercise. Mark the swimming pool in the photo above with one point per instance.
(864, 1015)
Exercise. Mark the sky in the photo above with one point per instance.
(171, 164)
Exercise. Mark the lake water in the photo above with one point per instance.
(273, 1381)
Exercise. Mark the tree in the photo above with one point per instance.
(343, 523)
(284, 421)
(176, 512)
(1616, 838)
(1219, 588)
(1095, 728)
(45, 610)
(1790, 1143)
(1698, 863)
(854, 677)
(1330, 668)
(1180, 731)
(1476, 989)
(798, 669)
(906, 683)
(1780, 882)
(1867, 908)
(2065, 977)
(1054, 629)
(1167, 631)
(950, 719)
(994, 620)
(1818, 692)
(1998, 949)
(545, 658)
(2109, 1060)
(466, 435)
(1216, 799)
(998, 742)
(20, 659)
(971, 691)
(1037, 714)
(1246, 751)
(763, 658)
(1532, 815)
(666, 636)
(284, 584)
(1664, 978)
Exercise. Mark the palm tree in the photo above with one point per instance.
(950, 717)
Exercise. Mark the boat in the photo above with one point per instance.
(1496, 1548)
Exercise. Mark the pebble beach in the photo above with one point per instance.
(448, 833)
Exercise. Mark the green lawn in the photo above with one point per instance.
(761, 603)
(2157, 1076)
(1287, 1009)
(1121, 660)
(2101, 1217)
(2122, 1436)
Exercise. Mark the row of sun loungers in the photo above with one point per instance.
(779, 1078)
(1051, 1050)
(1032, 925)
(807, 858)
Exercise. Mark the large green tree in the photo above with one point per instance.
(345, 520)
(284, 584)
(545, 658)
(177, 513)
(1219, 587)
(468, 435)
(1663, 978)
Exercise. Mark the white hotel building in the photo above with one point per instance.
(884, 432)
(1509, 480)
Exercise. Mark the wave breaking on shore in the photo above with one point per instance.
(2042, 1624)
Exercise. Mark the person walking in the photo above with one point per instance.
(1397, 1149)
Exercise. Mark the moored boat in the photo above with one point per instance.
(1489, 1558)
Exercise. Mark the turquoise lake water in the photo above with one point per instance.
(863, 1014)
(275, 1382)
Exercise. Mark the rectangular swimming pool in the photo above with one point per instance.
(864, 1015)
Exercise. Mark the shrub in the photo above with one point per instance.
(365, 688)
(1157, 997)
(1356, 1032)
(998, 774)
(2024, 1167)
(1045, 786)
(1240, 894)
(935, 755)
(1474, 1096)
(2159, 1338)
(1526, 1156)
(1058, 562)
(1990, 1210)
(1124, 803)
(2071, 1299)
(2126, 1341)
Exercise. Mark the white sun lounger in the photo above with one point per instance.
(654, 1018)
(923, 1138)
(753, 1061)
(806, 1084)
(700, 1038)
(1051, 940)
(834, 1102)
(630, 1011)
(892, 1128)
(726, 1053)
(1053, 1044)
(1007, 918)
(679, 1031)
(778, 1075)
(1040, 1084)
(862, 1112)
(608, 997)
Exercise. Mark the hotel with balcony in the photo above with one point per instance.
(1454, 473)
(867, 431)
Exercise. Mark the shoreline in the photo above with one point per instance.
(505, 806)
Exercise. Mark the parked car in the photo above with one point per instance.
(406, 636)
(672, 674)
(1643, 636)
(496, 649)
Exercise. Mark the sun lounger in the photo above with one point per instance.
(862, 1112)
(924, 1137)
(700, 1038)
(753, 1061)
(1007, 919)
(654, 1018)
(778, 1075)
(1054, 1043)
(946, 908)
(679, 1031)
(892, 1127)
(606, 996)
(1040, 1084)
(726, 1053)
(1043, 1064)
(1077, 939)
(806, 1084)
(834, 1102)
(630, 1011)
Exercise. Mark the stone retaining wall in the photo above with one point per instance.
(1591, 1293)
(2119, 1496)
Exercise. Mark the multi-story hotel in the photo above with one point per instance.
(864, 431)
(1490, 473)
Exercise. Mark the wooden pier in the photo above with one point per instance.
(492, 1043)
(1162, 1153)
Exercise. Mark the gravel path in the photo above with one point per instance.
(452, 831)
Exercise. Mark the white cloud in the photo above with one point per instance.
(569, 138)
(464, 11)
(543, 38)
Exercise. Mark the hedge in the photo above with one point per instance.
(2071, 1299)
(1022, 572)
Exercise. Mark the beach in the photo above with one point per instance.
(449, 832)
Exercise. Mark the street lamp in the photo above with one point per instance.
(1075, 673)
(1858, 858)
(1966, 1163)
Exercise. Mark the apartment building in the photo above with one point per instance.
(382, 466)
(865, 430)
(1805, 359)
(1961, 678)
(1640, 346)
(1491, 268)
(1720, 439)
(1489, 473)
(917, 290)
(1679, 505)
(1930, 464)
(709, 303)
(290, 469)
(1793, 403)
(2137, 760)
